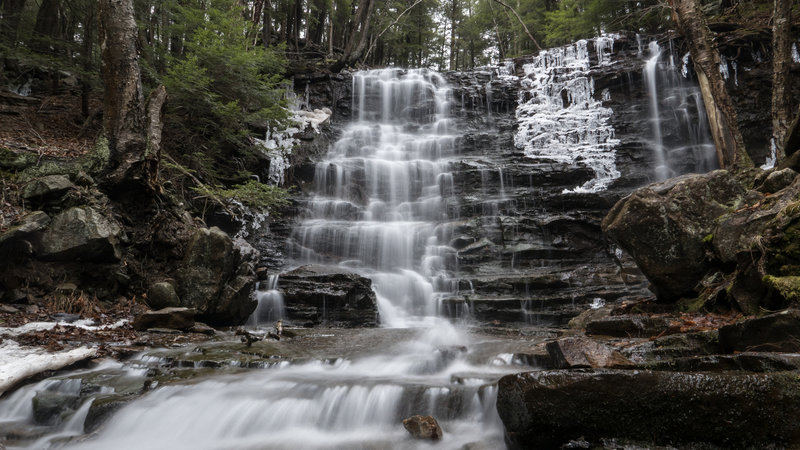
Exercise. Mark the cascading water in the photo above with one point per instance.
(270, 303)
(384, 191)
(681, 139)
(381, 208)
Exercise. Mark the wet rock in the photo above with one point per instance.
(81, 233)
(202, 328)
(779, 332)
(573, 353)
(423, 427)
(548, 408)
(216, 279)
(330, 295)
(747, 361)
(48, 188)
(49, 406)
(590, 315)
(630, 326)
(662, 226)
(176, 318)
(65, 317)
(162, 295)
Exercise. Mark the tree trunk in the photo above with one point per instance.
(357, 42)
(722, 121)
(88, 48)
(124, 121)
(453, 12)
(781, 80)
(47, 27)
(11, 11)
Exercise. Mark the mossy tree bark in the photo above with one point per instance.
(691, 23)
(133, 138)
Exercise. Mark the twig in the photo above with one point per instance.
(394, 22)
(538, 47)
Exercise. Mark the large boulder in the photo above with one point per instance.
(81, 233)
(663, 226)
(546, 409)
(216, 278)
(330, 295)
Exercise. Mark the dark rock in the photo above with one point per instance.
(593, 314)
(67, 288)
(48, 188)
(49, 406)
(81, 233)
(630, 326)
(216, 279)
(663, 227)
(747, 361)
(15, 296)
(777, 180)
(330, 295)
(65, 317)
(162, 295)
(779, 332)
(549, 408)
(176, 318)
(573, 353)
(28, 224)
(423, 427)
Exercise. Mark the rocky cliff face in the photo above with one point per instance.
(530, 196)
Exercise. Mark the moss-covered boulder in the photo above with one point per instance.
(663, 227)
(81, 233)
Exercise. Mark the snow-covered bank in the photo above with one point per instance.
(18, 363)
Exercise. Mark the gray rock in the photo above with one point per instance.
(10, 160)
(202, 328)
(329, 295)
(638, 325)
(779, 332)
(81, 233)
(423, 427)
(777, 180)
(215, 279)
(162, 295)
(175, 318)
(546, 409)
(663, 226)
(47, 188)
(28, 224)
(572, 353)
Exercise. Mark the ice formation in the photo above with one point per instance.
(559, 118)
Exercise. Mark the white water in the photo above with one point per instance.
(271, 306)
(380, 208)
(384, 191)
(676, 105)
(559, 118)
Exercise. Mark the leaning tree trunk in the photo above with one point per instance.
(722, 121)
(132, 141)
(781, 80)
(357, 42)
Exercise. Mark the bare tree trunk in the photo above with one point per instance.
(11, 11)
(357, 42)
(88, 47)
(453, 12)
(781, 80)
(124, 121)
(722, 121)
(519, 19)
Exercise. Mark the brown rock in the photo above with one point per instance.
(423, 427)
(572, 353)
(177, 318)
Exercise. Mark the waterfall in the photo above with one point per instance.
(681, 139)
(662, 171)
(383, 192)
(270, 303)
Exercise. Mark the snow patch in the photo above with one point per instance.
(18, 363)
(86, 324)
